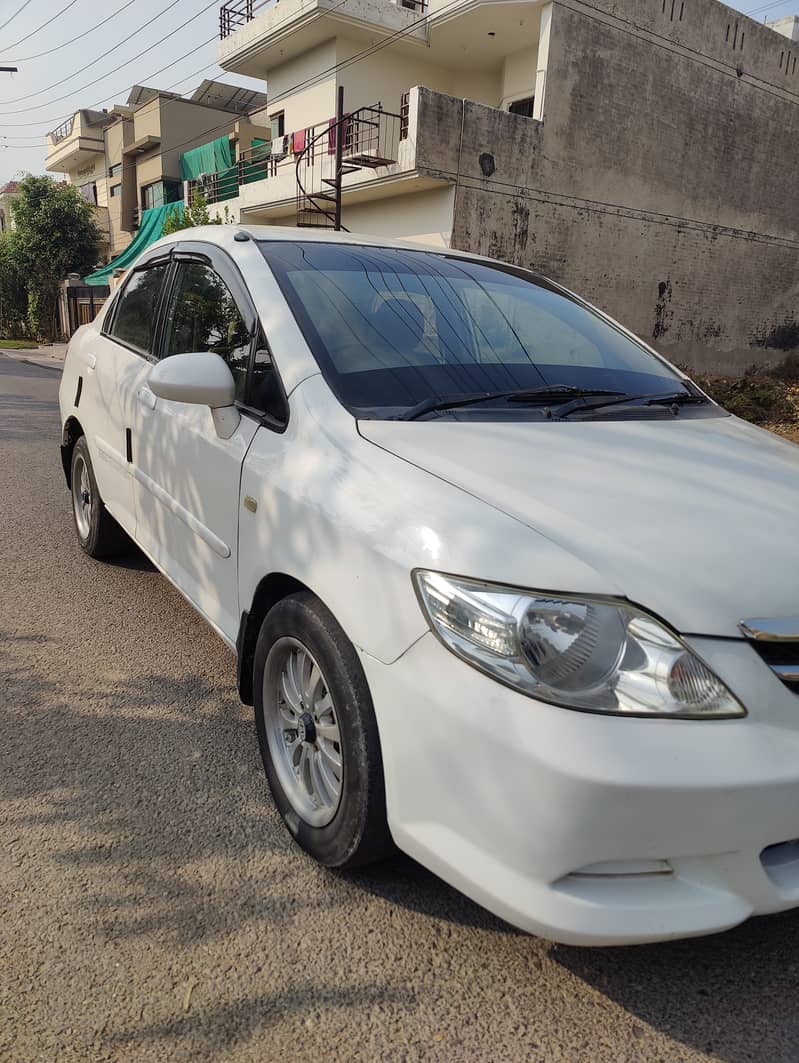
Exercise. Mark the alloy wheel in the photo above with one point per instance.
(82, 497)
(302, 730)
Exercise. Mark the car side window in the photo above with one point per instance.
(202, 315)
(135, 318)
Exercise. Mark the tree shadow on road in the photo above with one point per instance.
(144, 795)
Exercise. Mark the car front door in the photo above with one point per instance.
(116, 364)
(187, 476)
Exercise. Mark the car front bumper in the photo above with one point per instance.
(510, 800)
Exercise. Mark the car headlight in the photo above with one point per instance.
(581, 653)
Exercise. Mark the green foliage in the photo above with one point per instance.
(56, 234)
(196, 213)
(13, 288)
(757, 397)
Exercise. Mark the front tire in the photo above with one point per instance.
(318, 735)
(98, 533)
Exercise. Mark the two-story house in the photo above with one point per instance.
(126, 160)
(640, 151)
(76, 148)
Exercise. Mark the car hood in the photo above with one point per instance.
(697, 520)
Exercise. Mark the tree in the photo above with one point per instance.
(13, 289)
(56, 234)
(196, 213)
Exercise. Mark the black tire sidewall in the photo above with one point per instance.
(91, 542)
(357, 833)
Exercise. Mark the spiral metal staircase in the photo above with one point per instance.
(366, 139)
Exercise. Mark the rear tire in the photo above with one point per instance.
(98, 533)
(318, 735)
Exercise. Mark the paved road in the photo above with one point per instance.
(153, 908)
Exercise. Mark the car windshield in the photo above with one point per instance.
(393, 328)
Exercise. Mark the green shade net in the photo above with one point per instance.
(253, 168)
(208, 158)
(150, 228)
(215, 161)
(226, 184)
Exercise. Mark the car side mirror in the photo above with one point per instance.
(202, 378)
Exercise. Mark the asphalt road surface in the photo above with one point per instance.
(153, 908)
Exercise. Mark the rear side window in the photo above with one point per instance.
(135, 318)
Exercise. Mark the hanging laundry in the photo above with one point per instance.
(331, 133)
(298, 139)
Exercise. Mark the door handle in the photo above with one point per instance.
(91, 362)
(147, 398)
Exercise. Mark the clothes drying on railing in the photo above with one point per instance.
(280, 145)
(298, 141)
(331, 133)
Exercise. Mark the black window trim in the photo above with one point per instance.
(222, 263)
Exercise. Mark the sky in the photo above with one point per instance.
(163, 30)
(172, 45)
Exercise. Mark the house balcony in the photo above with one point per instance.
(291, 179)
(76, 143)
(468, 35)
(252, 41)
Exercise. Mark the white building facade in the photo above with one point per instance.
(642, 152)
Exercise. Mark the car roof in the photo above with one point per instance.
(225, 236)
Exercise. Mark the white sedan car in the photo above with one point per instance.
(506, 589)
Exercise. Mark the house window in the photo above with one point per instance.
(523, 107)
(278, 122)
(115, 190)
(159, 193)
(89, 193)
(115, 170)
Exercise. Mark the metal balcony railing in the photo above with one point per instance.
(370, 142)
(237, 13)
(234, 14)
(405, 111)
(63, 131)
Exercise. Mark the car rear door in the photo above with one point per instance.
(187, 476)
(115, 365)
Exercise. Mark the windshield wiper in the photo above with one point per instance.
(542, 394)
(677, 398)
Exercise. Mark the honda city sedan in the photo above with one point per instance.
(506, 589)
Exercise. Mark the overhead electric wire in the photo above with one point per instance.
(352, 60)
(38, 29)
(17, 12)
(65, 44)
(49, 124)
(172, 32)
(764, 7)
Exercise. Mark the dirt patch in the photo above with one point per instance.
(770, 401)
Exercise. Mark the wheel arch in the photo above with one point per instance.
(71, 433)
(272, 589)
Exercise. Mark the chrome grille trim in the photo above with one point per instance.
(775, 629)
(788, 673)
(776, 642)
